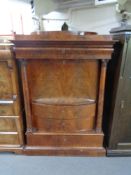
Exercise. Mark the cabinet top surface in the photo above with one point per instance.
(65, 37)
(63, 45)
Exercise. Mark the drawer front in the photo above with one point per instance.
(73, 125)
(6, 91)
(51, 118)
(9, 139)
(7, 110)
(7, 125)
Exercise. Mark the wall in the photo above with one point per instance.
(54, 20)
(99, 19)
(15, 16)
(44, 6)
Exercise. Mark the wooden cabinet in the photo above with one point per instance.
(63, 77)
(11, 136)
(119, 97)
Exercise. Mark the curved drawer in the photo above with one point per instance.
(58, 118)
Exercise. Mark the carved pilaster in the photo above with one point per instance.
(101, 95)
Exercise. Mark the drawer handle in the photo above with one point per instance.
(6, 102)
(14, 97)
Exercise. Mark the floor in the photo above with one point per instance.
(41, 165)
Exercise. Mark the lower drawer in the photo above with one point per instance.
(73, 125)
(6, 110)
(7, 124)
(9, 139)
(61, 118)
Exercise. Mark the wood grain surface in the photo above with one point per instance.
(63, 78)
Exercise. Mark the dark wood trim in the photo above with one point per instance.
(119, 153)
(26, 94)
(101, 95)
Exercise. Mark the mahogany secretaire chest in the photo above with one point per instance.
(63, 78)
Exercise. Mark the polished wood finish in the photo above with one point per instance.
(7, 124)
(65, 151)
(101, 96)
(63, 77)
(11, 133)
(63, 118)
(119, 98)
